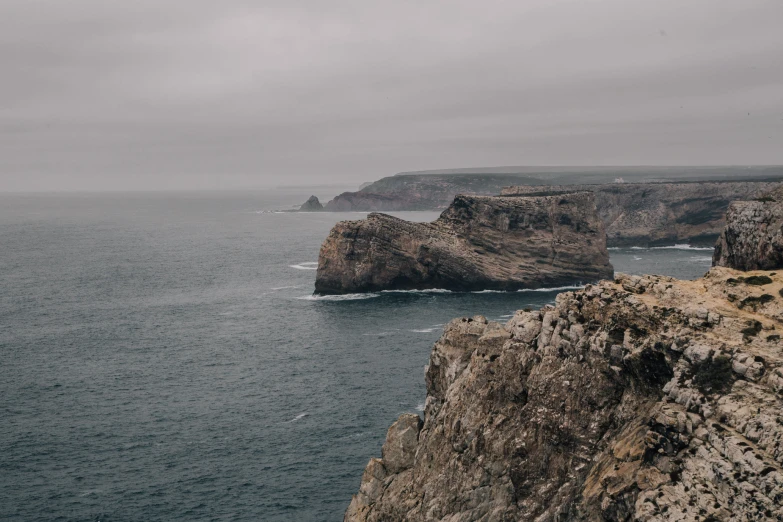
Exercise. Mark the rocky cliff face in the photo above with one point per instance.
(478, 243)
(643, 398)
(753, 237)
(661, 213)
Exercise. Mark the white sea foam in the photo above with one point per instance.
(310, 265)
(424, 291)
(701, 259)
(424, 330)
(342, 297)
(553, 289)
(681, 247)
(284, 287)
(637, 258)
(420, 407)
(299, 417)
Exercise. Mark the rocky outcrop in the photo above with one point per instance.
(661, 213)
(311, 205)
(478, 243)
(753, 237)
(642, 398)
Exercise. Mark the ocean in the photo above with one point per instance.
(162, 357)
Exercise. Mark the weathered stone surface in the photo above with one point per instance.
(661, 213)
(478, 243)
(643, 398)
(311, 205)
(753, 237)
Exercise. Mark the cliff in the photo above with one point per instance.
(431, 190)
(661, 213)
(643, 398)
(478, 243)
(753, 237)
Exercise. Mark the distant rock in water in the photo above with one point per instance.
(311, 205)
(478, 243)
(753, 237)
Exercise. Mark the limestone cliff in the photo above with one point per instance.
(753, 237)
(661, 213)
(478, 243)
(642, 398)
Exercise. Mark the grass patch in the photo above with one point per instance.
(714, 375)
(754, 302)
(752, 330)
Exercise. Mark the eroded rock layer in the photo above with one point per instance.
(642, 398)
(753, 237)
(661, 213)
(478, 243)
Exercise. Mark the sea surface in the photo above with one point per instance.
(162, 357)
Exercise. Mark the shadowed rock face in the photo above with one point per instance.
(661, 213)
(753, 237)
(643, 398)
(478, 243)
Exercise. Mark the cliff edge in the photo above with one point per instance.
(642, 398)
(478, 243)
(753, 237)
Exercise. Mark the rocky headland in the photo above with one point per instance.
(639, 398)
(753, 237)
(649, 214)
(478, 243)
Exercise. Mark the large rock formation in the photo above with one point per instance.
(753, 237)
(661, 213)
(643, 398)
(478, 243)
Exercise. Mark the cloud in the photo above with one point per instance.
(196, 94)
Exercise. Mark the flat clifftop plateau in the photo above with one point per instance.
(478, 243)
(661, 213)
(753, 237)
(642, 398)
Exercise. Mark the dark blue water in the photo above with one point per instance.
(161, 359)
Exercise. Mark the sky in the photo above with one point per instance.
(231, 94)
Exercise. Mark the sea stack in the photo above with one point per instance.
(753, 237)
(311, 205)
(478, 243)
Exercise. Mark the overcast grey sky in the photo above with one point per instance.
(141, 94)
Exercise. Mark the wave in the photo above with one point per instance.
(682, 247)
(637, 258)
(423, 291)
(553, 289)
(310, 265)
(701, 259)
(424, 330)
(420, 407)
(299, 417)
(285, 287)
(341, 297)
